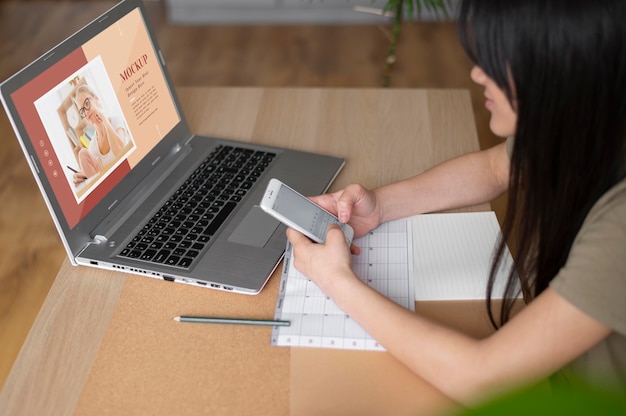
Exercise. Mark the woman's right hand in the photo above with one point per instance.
(355, 205)
(78, 178)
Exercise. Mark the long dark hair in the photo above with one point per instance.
(562, 65)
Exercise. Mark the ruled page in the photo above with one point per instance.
(452, 255)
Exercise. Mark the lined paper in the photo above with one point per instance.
(452, 255)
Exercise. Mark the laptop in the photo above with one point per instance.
(129, 187)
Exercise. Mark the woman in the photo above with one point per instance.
(554, 74)
(108, 140)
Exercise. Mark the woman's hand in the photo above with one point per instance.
(79, 178)
(354, 204)
(324, 263)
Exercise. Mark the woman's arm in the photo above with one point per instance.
(544, 337)
(116, 141)
(539, 340)
(470, 179)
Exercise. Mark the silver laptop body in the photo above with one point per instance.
(110, 158)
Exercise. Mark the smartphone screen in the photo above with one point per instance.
(303, 212)
(299, 212)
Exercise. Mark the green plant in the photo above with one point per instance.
(401, 9)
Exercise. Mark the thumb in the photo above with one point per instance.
(296, 237)
(335, 234)
(344, 209)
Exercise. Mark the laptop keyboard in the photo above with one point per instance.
(182, 227)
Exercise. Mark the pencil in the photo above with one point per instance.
(232, 321)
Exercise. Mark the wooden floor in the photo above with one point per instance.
(429, 56)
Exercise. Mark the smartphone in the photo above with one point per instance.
(300, 213)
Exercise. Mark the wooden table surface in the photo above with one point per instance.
(105, 343)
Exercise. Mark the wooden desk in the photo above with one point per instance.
(105, 343)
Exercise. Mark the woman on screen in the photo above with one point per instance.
(110, 135)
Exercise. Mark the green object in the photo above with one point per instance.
(409, 9)
(556, 399)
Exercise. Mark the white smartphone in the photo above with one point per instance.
(300, 213)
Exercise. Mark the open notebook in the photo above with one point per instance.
(430, 257)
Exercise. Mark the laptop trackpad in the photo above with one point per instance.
(255, 229)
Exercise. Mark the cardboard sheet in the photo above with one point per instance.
(365, 383)
(150, 364)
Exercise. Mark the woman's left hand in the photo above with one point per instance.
(323, 263)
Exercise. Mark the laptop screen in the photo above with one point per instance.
(94, 114)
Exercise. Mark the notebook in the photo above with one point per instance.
(128, 185)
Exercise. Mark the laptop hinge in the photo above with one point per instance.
(99, 239)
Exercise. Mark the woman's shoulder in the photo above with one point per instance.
(611, 207)
(594, 275)
(117, 121)
(605, 224)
